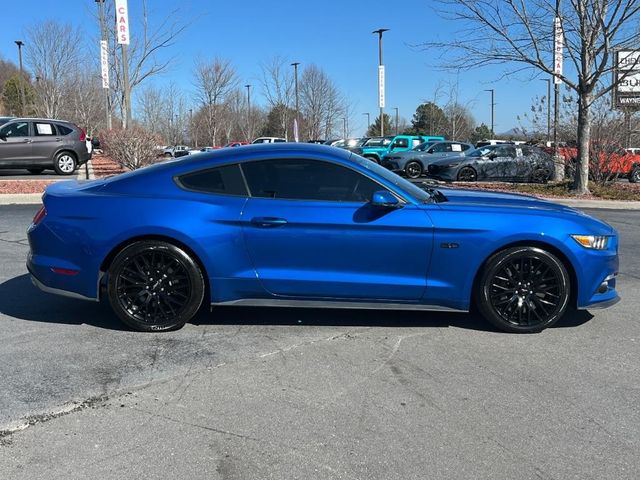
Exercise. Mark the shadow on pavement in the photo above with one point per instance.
(21, 300)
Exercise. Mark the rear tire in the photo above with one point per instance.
(155, 286)
(634, 176)
(523, 290)
(65, 163)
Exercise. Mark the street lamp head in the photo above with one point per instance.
(380, 31)
(19, 43)
(295, 64)
(247, 86)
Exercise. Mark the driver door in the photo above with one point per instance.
(311, 233)
(15, 144)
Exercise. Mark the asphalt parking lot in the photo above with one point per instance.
(249, 393)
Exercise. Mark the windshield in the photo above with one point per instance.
(391, 177)
(479, 152)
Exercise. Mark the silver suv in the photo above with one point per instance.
(37, 144)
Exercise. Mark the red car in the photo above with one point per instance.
(613, 161)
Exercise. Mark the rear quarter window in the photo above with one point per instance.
(64, 130)
(226, 180)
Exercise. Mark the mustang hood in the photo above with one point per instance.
(485, 198)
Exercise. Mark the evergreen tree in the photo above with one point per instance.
(429, 119)
(374, 129)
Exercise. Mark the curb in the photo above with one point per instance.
(21, 199)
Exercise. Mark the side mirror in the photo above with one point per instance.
(384, 199)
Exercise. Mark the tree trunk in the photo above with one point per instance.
(581, 181)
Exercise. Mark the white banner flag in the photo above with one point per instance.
(104, 63)
(122, 22)
(381, 86)
(296, 136)
(558, 48)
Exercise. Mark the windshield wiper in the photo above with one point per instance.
(436, 195)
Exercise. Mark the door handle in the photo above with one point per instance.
(58, 139)
(268, 222)
(26, 140)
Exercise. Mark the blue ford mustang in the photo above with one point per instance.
(309, 225)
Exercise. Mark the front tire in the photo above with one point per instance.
(65, 163)
(467, 174)
(523, 290)
(413, 169)
(155, 286)
(634, 176)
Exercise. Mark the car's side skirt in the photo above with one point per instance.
(57, 291)
(330, 303)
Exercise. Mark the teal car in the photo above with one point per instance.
(377, 147)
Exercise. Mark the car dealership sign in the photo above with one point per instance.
(122, 22)
(627, 76)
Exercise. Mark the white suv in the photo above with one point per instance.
(269, 140)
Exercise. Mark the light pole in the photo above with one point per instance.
(492, 108)
(344, 129)
(548, 107)
(20, 44)
(248, 87)
(396, 109)
(295, 74)
(380, 31)
(368, 120)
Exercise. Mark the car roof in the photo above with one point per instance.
(29, 119)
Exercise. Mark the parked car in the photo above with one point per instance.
(317, 141)
(413, 163)
(398, 143)
(38, 144)
(236, 144)
(193, 151)
(307, 225)
(615, 161)
(175, 151)
(633, 150)
(504, 162)
(269, 140)
(491, 141)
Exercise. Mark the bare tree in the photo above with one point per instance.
(150, 39)
(320, 102)
(521, 32)
(213, 81)
(84, 104)
(278, 89)
(55, 57)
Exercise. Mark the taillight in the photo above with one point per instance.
(39, 215)
(83, 134)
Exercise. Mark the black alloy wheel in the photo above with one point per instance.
(155, 286)
(413, 169)
(467, 174)
(523, 290)
(634, 176)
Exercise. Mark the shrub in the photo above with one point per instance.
(132, 148)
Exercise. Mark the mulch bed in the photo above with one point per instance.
(24, 186)
(105, 166)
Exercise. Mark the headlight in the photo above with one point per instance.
(595, 242)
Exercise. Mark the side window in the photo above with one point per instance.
(17, 129)
(64, 130)
(305, 179)
(465, 147)
(439, 148)
(401, 143)
(226, 180)
(43, 129)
